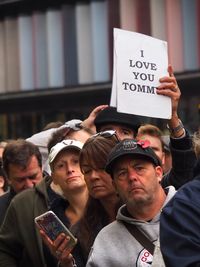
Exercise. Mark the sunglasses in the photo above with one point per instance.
(106, 134)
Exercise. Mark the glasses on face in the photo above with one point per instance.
(107, 134)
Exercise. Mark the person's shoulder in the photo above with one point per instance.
(190, 189)
(31, 193)
(5, 198)
(6, 195)
(24, 195)
(109, 230)
(188, 195)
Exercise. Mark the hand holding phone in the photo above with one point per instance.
(53, 227)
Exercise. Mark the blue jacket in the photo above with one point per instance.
(180, 227)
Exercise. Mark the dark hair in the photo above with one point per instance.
(19, 152)
(94, 219)
(94, 152)
(53, 124)
(57, 137)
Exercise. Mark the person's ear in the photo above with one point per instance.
(159, 173)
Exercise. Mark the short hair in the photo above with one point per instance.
(19, 152)
(151, 130)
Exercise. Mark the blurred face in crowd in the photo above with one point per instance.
(21, 178)
(156, 145)
(66, 171)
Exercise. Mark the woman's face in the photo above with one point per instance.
(98, 181)
(66, 171)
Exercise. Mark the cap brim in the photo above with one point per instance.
(109, 166)
(64, 148)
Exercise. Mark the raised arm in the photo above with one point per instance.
(89, 121)
(183, 156)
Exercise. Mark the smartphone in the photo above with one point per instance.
(53, 226)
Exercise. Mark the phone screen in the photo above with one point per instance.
(52, 226)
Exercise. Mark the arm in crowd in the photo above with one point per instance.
(183, 162)
(183, 155)
(89, 121)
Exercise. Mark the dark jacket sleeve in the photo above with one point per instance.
(10, 247)
(183, 162)
(180, 228)
(5, 200)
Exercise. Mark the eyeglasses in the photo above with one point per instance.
(106, 134)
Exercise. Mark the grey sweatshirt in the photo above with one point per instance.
(114, 246)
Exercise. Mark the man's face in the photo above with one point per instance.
(137, 180)
(21, 179)
(123, 132)
(66, 171)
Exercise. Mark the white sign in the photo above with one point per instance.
(139, 62)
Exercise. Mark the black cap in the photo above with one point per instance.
(134, 148)
(110, 115)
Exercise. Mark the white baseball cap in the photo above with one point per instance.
(68, 143)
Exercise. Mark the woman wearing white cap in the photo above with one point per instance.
(64, 192)
(67, 181)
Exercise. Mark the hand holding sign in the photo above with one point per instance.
(169, 87)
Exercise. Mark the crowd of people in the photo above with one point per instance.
(126, 192)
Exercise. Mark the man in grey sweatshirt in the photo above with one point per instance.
(136, 173)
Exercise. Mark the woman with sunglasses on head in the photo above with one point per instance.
(103, 202)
